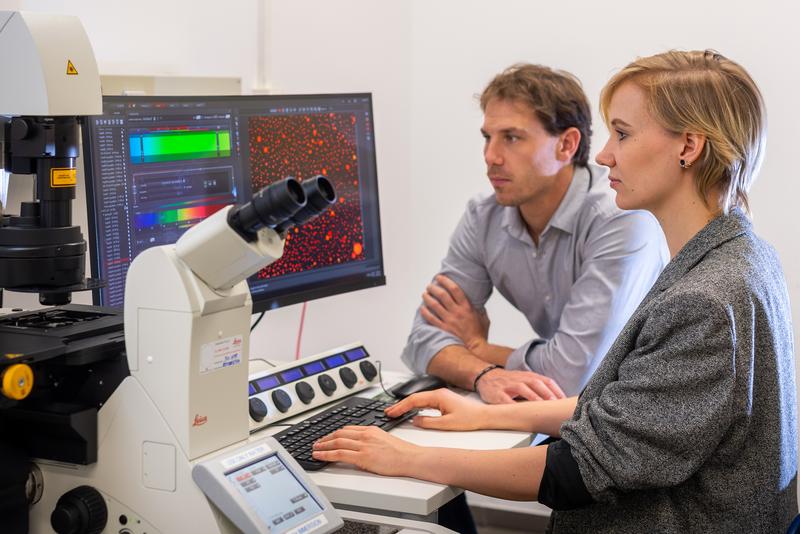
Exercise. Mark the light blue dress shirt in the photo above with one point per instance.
(577, 288)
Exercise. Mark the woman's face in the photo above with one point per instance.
(643, 157)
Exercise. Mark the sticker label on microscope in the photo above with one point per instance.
(63, 177)
(221, 353)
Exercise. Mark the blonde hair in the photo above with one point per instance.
(705, 93)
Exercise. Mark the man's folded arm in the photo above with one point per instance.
(464, 264)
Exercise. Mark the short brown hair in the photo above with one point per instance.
(704, 92)
(555, 96)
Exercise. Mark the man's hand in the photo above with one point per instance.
(448, 308)
(458, 413)
(500, 386)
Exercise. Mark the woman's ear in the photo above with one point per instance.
(693, 144)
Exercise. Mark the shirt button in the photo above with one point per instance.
(547, 298)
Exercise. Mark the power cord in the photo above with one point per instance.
(265, 361)
(255, 324)
(300, 331)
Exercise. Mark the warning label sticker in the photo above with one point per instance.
(63, 177)
(221, 353)
(71, 70)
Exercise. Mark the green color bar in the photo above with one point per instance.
(180, 145)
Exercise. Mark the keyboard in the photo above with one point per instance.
(300, 437)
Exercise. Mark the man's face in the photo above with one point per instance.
(520, 155)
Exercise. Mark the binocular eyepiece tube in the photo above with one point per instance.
(282, 206)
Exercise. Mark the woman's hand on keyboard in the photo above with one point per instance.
(458, 413)
(369, 448)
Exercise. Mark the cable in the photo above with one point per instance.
(255, 324)
(265, 361)
(300, 331)
(380, 379)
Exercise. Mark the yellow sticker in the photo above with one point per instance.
(71, 70)
(63, 177)
(12, 355)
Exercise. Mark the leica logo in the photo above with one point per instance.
(199, 420)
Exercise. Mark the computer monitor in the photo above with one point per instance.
(155, 166)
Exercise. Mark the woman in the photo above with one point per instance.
(689, 423)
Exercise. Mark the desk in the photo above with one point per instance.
(350, 488)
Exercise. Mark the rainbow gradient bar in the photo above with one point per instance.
(178, 145)
(179, 215)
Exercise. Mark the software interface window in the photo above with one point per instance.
(157, 166)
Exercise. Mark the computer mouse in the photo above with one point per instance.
(417, 384)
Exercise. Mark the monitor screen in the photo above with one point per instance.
(155, 166)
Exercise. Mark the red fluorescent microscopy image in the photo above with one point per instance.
(304, 146)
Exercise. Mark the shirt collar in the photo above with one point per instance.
(565, 216)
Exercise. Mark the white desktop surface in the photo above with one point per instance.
(349, 486)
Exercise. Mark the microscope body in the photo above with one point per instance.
(187, 343)
(187, 340)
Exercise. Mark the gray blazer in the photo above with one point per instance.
(689, 423)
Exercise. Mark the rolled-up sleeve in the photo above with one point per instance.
(464, 264)
(622, 257)
(671, 406)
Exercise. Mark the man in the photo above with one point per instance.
(550, 239)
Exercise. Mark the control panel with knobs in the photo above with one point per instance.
(295, 387)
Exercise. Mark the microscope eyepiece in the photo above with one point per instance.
(283, 205)
(320, 195)
(270, 207)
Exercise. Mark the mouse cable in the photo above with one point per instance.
(380, 379)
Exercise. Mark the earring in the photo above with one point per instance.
(685, 164)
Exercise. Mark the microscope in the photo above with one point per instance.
(134, 425)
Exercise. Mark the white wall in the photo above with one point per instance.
(424, 61)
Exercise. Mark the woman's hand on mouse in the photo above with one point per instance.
(458, 413)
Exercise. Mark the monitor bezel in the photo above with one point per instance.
(267, 300)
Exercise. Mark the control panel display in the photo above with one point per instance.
(291, 375)
(277, 497)
(266, 383)
(294, 374)
(356, 354)
(313, 368)
(334, 361)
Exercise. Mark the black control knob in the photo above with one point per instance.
(258, 410)
(326, 384)
(282, 400)
(80, 511)
(304, 392)
(368, 370)
(348, 377)
(21, 129)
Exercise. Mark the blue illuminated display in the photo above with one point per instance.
(291, 375)
(268, 382)
(334, 361)
(251, 390)
(313, 368)
(356, 354)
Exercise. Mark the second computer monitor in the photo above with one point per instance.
(155, 166)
